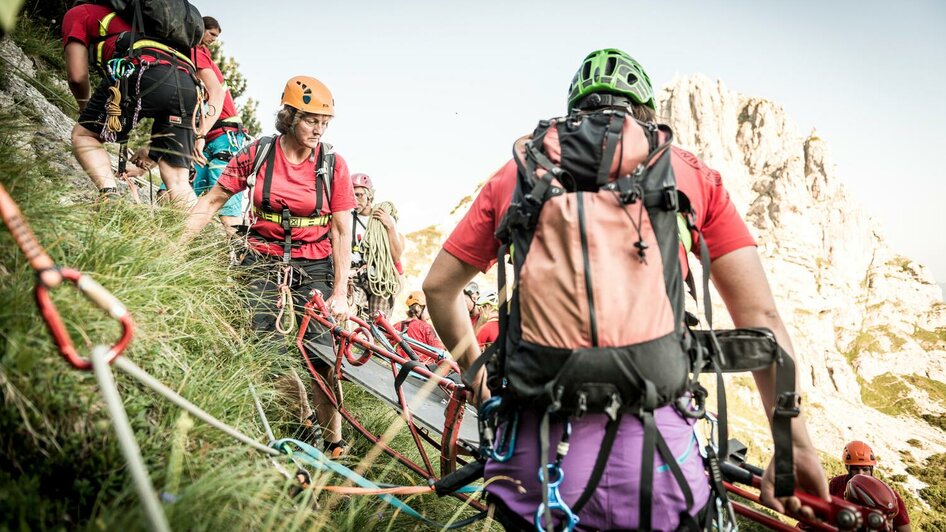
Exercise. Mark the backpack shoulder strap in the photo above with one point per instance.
(263, 147)
(324, 174)
(97, 43)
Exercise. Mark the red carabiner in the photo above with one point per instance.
(95, 293)
(49, 276)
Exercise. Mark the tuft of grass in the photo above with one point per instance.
(45, 50)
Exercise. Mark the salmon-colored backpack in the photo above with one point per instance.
(596, 321)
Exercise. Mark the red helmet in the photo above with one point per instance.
(361, 180)
(872, 493)
(858, 453)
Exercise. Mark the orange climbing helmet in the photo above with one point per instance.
(858, 453)
(309, 95)
(416, 298)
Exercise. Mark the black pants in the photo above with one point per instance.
(262, 275)
(168, 95)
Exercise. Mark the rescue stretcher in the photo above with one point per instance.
(435, 408)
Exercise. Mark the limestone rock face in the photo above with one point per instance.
(868, 325)
(47, 138)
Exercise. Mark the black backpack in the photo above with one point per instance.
(176, 23)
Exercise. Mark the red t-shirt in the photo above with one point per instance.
(474, 243)
(838, 484)
(203, 60)
(421, 331)
(83, 24)
(293, 186)
(488, 333)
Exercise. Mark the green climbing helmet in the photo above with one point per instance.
(612, 71)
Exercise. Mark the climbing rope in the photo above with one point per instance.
(383, 279)
(113, 114)
(286, 318)
(127, 441)
(118, 70)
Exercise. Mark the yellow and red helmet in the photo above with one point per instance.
(309, 95)
(858, 453)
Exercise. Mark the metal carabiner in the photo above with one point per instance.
(500, 450)
(95, 293)
(556, 477)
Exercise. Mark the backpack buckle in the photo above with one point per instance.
(614, 407)
(670, 199)
(582, 407)
(787, 404)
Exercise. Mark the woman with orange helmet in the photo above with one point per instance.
(859, 460)
(297, 238)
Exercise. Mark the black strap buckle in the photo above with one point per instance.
(670, 199)
(787, 404)
(287, 234)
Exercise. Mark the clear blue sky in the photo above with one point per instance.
(430, 95)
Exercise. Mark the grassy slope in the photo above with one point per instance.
(60, 465)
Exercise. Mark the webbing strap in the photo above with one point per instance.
(268, 177)
(263, 147)
(786, 407)
(675, 469)
(611, 138)
(294, 221)
(610, 433)
(405, 371)
(648, 449)
(155, 45)
(324, 173)
(544, 469)
(319, 186)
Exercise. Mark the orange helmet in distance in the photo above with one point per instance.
(416, 298)
(858, 453)
(309, 95)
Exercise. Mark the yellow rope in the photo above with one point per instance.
(383, 279)
(113, 111)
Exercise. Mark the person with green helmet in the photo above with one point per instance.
(590, 493)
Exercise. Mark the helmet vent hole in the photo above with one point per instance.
(631, 79)
(586, 70)
(609, 66)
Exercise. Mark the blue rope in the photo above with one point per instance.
(317, 459)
